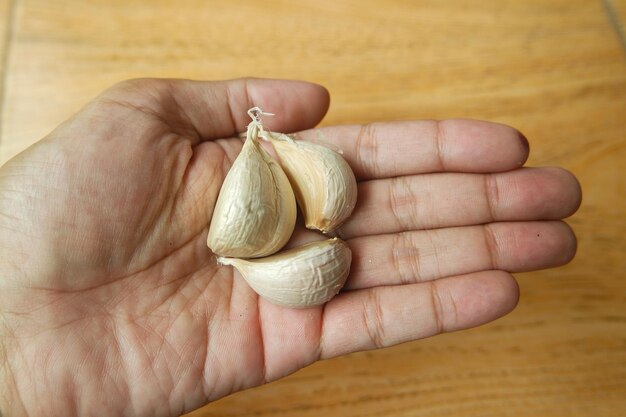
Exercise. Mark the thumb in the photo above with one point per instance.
(218, 109)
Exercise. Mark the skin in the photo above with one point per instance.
(111, 303)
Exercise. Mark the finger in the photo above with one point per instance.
(420, 256)
(444, 200)
(382, 150)
(206, 110)
(384, 316)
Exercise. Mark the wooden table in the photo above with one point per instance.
(556, 69)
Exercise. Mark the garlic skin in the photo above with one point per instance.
(255, 212)
(302, 277)
(322, 180)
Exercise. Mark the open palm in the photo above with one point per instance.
(111, 303)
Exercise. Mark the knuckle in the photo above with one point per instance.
(493, 248)
(492, 195)
(440, 139)
(367, 149)
(373, 319)
(405, 259)
(437, 307)
(402, 203)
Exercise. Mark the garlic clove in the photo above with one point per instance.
(302, 277)
(322, 180)
(255, 212)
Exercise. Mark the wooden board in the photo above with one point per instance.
(556, 69)
(5, 39)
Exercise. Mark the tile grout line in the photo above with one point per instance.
(615, 22)
(4, 60)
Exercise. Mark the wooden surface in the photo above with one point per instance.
(556, 69)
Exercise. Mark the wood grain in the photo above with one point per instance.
(556, 69)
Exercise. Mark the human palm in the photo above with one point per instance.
(111, 303)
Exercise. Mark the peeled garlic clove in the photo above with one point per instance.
(305, 276)
(255, 213)
(322, 180)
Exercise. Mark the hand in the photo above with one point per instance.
(111, 303)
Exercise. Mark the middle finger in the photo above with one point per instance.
(433, 201)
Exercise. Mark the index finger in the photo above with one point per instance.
(390, 149)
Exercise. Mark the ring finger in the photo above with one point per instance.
(419, 256)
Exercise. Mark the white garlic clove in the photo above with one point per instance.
(255, 213)
(302, 277)
(322, 180)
